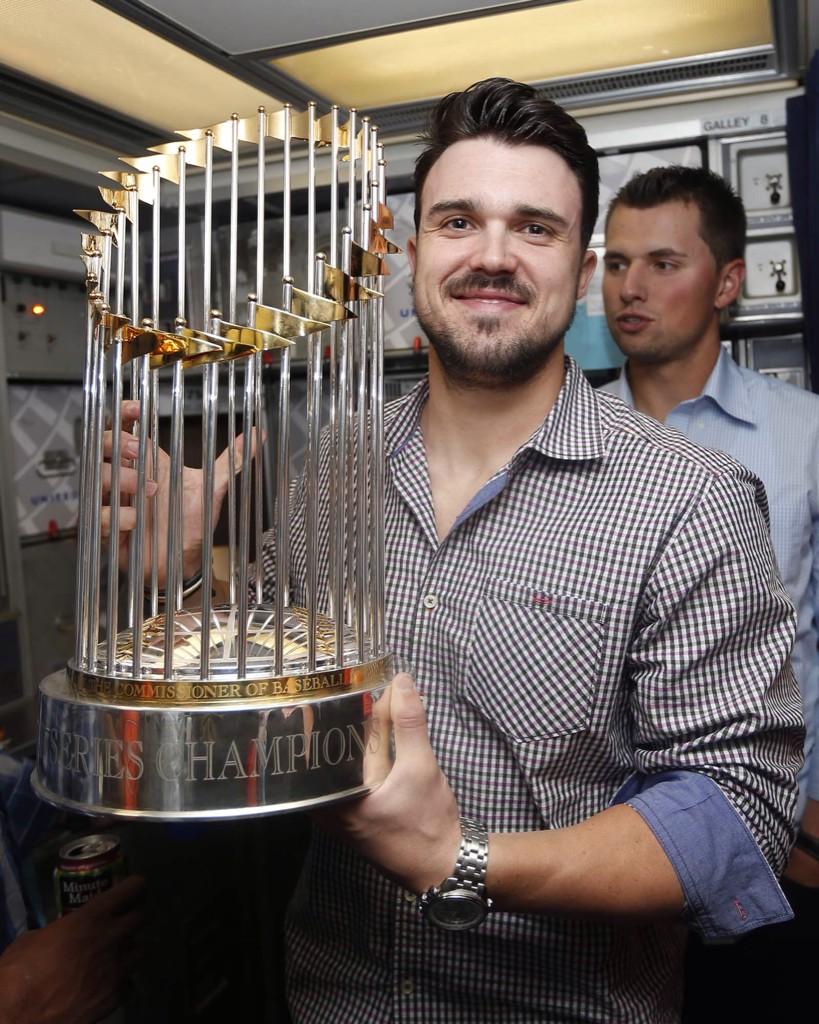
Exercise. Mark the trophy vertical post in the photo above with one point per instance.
(259, 437)
(283, 449)
(232, 275)
(112, 590)
(153, 426)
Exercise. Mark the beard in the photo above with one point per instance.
(480, 353)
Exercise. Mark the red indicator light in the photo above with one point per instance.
(38, 309)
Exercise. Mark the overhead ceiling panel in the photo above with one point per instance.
(531, 45)
(253, 25)
(89, 51)
(115, 71)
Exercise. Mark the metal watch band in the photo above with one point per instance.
(470, 870)
(189, 586)
(460, 901)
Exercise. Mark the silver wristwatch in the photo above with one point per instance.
(460, 901)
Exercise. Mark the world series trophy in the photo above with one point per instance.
(248, 705)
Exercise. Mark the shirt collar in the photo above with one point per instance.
(570, 431)
(725, 387)
(620, 388)
(403, 417)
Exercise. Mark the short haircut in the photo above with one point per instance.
(722, 215)
(517, 115)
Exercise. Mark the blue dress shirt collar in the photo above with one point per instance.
(725, 387)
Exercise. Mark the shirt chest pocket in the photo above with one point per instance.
(534, 660)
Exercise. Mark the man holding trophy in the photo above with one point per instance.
(600, 742)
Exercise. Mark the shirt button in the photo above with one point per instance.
(407, 987)
(430, 601)
(410, 897)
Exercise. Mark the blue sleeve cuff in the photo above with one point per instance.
(728, 885)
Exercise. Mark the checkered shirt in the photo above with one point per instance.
(607, 604)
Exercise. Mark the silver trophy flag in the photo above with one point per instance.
(221, 706)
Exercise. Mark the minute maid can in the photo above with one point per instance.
(86, 867)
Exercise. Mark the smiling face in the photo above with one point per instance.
(662, 289)
(497, 261)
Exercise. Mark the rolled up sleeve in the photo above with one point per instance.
(718, 727)
(728, 885)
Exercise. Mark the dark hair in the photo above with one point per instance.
(517, 115)
(722, 215)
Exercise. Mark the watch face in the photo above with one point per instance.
(457, 910)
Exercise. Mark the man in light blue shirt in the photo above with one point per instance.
(675, 239)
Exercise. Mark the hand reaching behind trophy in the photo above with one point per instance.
(157, 484)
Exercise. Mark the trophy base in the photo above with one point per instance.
(101, 753)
